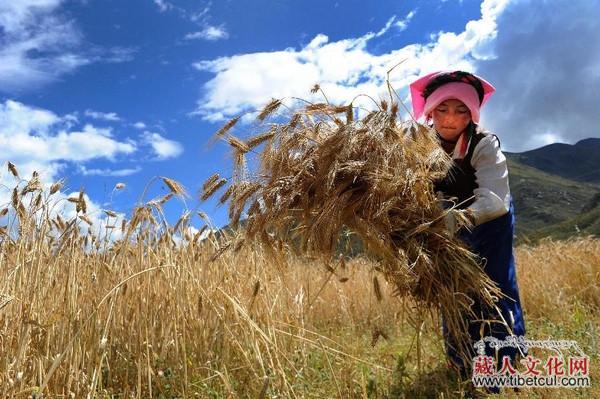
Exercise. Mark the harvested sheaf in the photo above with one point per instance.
(372, 177)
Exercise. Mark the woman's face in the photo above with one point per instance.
(451, 118)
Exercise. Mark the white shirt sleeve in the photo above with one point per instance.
(492, 198)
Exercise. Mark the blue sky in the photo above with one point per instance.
(107, 91)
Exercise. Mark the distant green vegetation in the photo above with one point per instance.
(579, 162)
(587, 223)
(548, 204)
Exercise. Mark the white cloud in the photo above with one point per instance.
(16, 118)
(210, 33)
(403, 23)
(202, 15)
(39, 44)
(89, 143)
(108, 172)
(105, 116)
(33, 27)
(114, 55)
(344, 68)
(38, 139)
(139, 125)
(163, 148)
(163, 5)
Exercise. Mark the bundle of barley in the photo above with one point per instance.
(323, 175)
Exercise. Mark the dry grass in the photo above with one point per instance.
(562, 280)
(143, 315)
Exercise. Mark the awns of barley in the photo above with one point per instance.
(212, 188)
(294, 121)
(259, 139)
(81, 204)
(238, 144)
(86, 219)
(210, 181)
(110, 213)
(175, 187)
(56, 186)
(317, 107)
(13, 169)
(32, 185)
(226, 128)
(223, 199)
(183, 221)
(269, 109)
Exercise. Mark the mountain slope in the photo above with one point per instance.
(579, 162)
(542, 199)
(587, 223)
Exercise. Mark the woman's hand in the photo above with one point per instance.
(455, 219)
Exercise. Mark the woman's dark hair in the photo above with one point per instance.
(456, 76)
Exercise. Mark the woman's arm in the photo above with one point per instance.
(492, 198)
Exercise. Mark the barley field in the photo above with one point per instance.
(162, 313)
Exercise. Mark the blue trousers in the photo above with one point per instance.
(493, 243)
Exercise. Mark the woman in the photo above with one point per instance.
(478, 180)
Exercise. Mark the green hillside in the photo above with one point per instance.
(543, 199)
(579, 161)
(585, 224)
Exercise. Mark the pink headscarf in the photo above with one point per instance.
(462, 91)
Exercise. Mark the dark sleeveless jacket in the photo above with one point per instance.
(460, 180)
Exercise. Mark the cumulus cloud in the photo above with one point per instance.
(343, 68)
(89, 143)
(546, 72)
(210, 33)
(139, 125)
(163, 148)
(38, 139)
